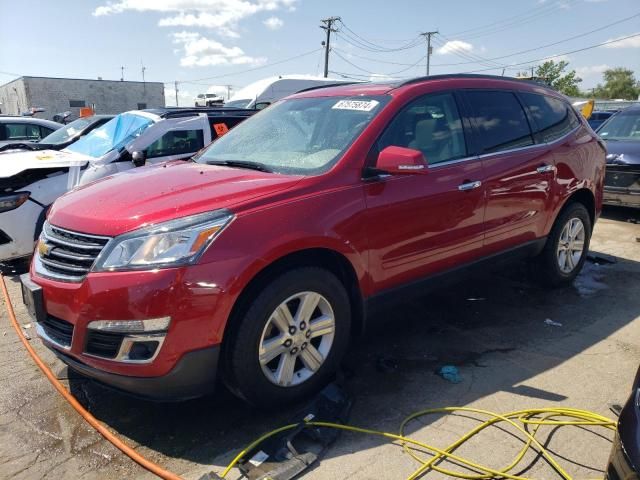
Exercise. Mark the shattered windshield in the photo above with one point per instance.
(116, 133)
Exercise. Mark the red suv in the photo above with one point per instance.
(259, 259)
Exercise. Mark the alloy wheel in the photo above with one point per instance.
(297, 339)
(571, 245)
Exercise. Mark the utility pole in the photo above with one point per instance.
(427, 36)
(176, 85)
(122, 74)
(143, 69)
(328, 27)
(228, 91)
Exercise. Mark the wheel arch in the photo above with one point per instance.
(322, 257)
(586, 197)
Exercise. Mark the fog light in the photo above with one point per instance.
(131, 326)
(143, 350)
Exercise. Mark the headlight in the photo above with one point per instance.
(13, 201)
(169, 244)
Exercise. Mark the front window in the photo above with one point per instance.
(114, 134)
(299, 136)
(65, 133)
(623, 126)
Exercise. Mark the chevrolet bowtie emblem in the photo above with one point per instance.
(43, 248)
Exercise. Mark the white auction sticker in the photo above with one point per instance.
(258, 459)
(360, 105)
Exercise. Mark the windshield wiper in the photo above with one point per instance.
(241, 164)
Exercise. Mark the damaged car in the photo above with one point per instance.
(621, 133)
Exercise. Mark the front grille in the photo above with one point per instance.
(622, 177)
(58, 330)
(68, 255)
(103, 344)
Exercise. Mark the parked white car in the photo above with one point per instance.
(264, 92)
(30, 181)
(208, 100)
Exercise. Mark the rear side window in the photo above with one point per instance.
(44, 131)
(176, 142)
(430, 124)
(500, 119)
(553, 118)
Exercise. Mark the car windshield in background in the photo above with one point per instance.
(238, 103)
(299, 136)
(114, 134)
(65, 133)
(623, 126)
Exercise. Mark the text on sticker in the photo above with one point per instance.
(360, 105)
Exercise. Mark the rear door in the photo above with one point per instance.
(418, 225)
(518, 171)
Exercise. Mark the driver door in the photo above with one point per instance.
(422, 224)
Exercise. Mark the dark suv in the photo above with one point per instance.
(260, 259)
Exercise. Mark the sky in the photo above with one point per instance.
(221, 45)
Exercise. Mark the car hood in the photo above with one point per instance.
(14, 162)
(149, 195)
(623, 152)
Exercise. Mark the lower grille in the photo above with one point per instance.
(622, 177)
(4, 238)
(103, 344)
(58, 330)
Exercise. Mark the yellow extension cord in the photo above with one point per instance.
(534, 418)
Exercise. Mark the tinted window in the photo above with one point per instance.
(16, 131)
(553, 118)
(430, 124)
(176, 142)
(500, 120)
(142, 106)
(44, 131)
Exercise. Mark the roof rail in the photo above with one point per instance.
(467, 75)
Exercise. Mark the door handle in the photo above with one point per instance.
(469, 186)
(546, 169)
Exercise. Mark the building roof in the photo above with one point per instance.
(24, 77)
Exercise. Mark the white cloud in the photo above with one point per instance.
(454, 46)
(222, 15)
(626, 43)
(592, 70)
(199, 51)
(273, 23)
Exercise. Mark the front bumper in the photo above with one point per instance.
(193, 376)
(622, 185)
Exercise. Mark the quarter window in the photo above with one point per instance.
(553, 118)
(430, 124)
(176, 142)
(500, 119)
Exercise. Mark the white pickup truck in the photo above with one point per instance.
(31, 181)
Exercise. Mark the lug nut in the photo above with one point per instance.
(308, 334)
(287, 343)
(303, 325)
(294, 350)
(303, 346)
(292, 330)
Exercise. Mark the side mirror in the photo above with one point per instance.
(400, 160)
(138, 158)
(262, 105)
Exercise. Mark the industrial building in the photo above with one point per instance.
(56, 95)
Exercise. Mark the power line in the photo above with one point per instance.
(564, 53)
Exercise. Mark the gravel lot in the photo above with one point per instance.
(491, 327)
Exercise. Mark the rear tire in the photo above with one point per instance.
(280, 352)
(566, 248)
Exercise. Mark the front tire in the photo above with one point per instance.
(291, 339)
(567, 245)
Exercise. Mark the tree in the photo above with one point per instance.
(618, 83)
(557, 76)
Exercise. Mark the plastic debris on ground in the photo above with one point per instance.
(450, 373)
